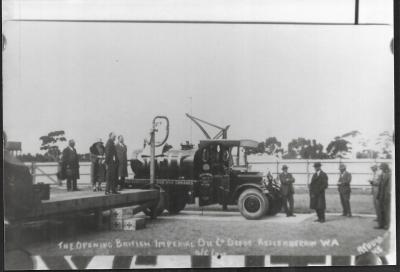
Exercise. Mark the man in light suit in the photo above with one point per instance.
(286, 179)
(318, 185)
(344, 189)
(70, 165)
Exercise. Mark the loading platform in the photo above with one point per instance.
(63, 202)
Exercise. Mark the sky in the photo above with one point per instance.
(287, 81)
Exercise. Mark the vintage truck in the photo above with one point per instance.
(216, 171)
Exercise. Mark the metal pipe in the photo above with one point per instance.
(152, 155)
(153, 146)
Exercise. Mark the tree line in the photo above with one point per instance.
(339, 147)
(51, 149)
(298, 148)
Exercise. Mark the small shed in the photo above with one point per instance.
(14, 147)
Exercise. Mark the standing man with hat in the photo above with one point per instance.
(374, 181)
(122, 172)
(70, 165)
(344, 189)
(287, 190)
(384, 191)
(111, 161)
(318, 185)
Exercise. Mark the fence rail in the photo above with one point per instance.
(301, 169)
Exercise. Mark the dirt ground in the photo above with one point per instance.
(210, 231)
(360, 200)
(194, 234)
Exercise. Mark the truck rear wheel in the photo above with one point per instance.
(175, 206)
(253, 204)
(176, 201)
(161, 204)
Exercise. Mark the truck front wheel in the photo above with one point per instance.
(253, 204)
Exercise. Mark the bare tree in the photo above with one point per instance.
(50, 144)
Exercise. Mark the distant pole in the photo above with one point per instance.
(308, 171)
(191, 113)
(356, 12)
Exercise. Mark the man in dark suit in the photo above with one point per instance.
(344, 189)
(384, 194)
(122, 161)
(111, 161)
(287, 190)
(70, 165)
(318, 185)
(374, 181)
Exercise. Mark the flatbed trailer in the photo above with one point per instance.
(62, 203)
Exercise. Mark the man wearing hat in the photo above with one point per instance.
(318, 185)
(384, 197)
(287, 190)
(70, 165)
(111, 161)
(122, 171)
(344, 189)
(374, 181)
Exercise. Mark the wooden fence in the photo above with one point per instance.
(302, 170)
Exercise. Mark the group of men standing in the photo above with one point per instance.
(381, 186)
(116, 163)
(381, 192)
(109, 163)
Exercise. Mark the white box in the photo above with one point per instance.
(134, 223)
(121, 213)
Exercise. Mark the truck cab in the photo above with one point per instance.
(225, 177)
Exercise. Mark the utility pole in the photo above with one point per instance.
(357, 8)
(191, 125)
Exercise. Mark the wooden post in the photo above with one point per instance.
(59, 181)
(33, 172)
(99, 219)
(277, 167)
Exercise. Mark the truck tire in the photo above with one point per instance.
(253, 204)
(176, 201)
(161, 204)
(176, 206)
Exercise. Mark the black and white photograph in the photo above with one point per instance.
(141, 134)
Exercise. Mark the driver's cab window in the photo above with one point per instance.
(238, 156)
